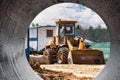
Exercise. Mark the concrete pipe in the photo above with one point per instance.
(15, 17)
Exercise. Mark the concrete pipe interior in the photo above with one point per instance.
(15, 17)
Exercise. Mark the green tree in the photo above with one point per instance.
(37, 24)
(33, 24)
(90, 33)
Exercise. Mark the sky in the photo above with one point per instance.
(69, 11)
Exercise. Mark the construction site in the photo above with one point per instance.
(65, 57)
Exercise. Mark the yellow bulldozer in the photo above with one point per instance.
(66, 48)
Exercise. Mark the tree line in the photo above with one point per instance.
(97, 34)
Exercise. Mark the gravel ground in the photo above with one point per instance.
(77, 70)
(67, 71)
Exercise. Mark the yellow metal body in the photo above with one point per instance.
(81, 43)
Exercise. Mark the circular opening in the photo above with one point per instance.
(89, 26)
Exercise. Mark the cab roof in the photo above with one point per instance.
(65, 21)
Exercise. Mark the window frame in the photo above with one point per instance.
(49, 33)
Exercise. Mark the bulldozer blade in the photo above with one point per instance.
(86, 57)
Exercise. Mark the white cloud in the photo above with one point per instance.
(69, 11)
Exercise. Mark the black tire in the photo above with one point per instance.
(62, 55)
(49, 56)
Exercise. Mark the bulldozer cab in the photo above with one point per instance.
(65, 29)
